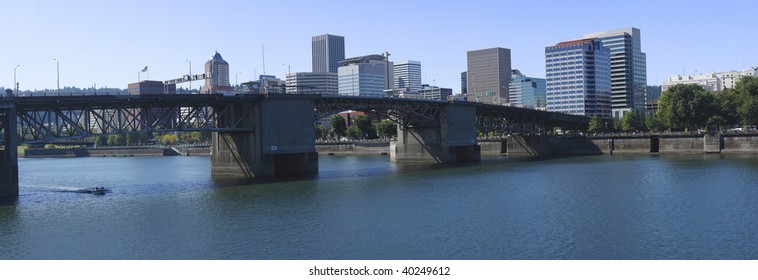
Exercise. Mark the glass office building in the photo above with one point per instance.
(367, 75)
(628, 69)
(408, 75)
(578, 78)
(527, 91)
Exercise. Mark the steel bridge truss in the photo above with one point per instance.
(407, 113)
(505, 122)
(52, 121)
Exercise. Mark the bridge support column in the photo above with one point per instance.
(9, 157)
(281, 143)
(454, 140)
(527, 145)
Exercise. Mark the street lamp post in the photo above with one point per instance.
(15, 84)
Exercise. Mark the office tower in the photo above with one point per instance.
(628, 69)
(327, 51)
(408, 75)
(526, 91)
(464, 84)
(489, 73)
(312, 83)
(579, 78)
(217, 73)
(366, 75)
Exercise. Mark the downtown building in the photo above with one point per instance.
(578, 78)
(527, 91)
(326, 52)
(488, 75)
(434, 92)
(464, 83)
(628, 69)
(366, 75)
(312, 83)
(217, 75)
(712, 81)
(407, 75)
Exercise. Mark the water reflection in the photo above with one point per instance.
(593, 207)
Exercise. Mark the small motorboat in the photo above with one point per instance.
(99, 191)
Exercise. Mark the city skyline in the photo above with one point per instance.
(103, 44)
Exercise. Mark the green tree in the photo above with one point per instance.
(132, 139)
(144, 136)
(630, 122)
(116, 140)
(353, 132)
(596, 125)
(318, 131)
(338, 125)
(747, 91)
(101, 140)
(728, 103)
(686, 107)
(386, 129)
(168, 139)
(365, 126)
(749, 111)
(654, 123)
(747, 85)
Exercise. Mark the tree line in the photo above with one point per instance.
(144, 138)
(361, 128)
(689, 107)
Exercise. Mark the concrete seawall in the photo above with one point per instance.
(678, 143)
(113, 152)
(739, 144)
(694, 143)
(357, 148)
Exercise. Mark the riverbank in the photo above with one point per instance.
(618, 143)
(353, 148)
(124, 151)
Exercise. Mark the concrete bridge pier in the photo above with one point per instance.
(280, 144)
(9, 155)
(454, 140)
(527, 145)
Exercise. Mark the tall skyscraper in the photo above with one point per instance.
(628, 69)
(489, 73)
(365, 75)
(579, 78)
(408, 75)
(217, 71)
(526, 91)
(327, 51)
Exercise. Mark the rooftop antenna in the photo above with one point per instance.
(263, 55)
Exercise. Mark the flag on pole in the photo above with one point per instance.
(144, 69)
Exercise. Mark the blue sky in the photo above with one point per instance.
(108, 42)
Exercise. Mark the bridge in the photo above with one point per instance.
(267, 135)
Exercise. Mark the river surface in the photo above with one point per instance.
(593, 207)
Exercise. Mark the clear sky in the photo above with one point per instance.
(108, 42)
